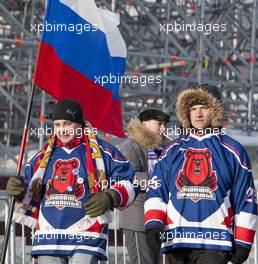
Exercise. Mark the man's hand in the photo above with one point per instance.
(240, 255)
(16, 187)
(153, 238)
(99, 203)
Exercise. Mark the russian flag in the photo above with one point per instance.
(80, 49)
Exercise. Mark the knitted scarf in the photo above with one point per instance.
(27, 210)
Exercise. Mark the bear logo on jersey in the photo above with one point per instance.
(197, 180)
(65, 189)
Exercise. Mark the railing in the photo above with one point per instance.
(11, 250)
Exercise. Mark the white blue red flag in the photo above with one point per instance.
(81, 56)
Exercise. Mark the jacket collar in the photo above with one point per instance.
(143, 136)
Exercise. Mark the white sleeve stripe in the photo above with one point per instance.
(244, 242)
(246, 220)
(129, 189)
(155, 204)
(131, 194)
(67, 247)
(197, 241)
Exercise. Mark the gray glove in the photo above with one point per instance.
(100, 202)
(16, 187)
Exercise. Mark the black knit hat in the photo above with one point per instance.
(153, 114)
(68, 109)
(213, 90)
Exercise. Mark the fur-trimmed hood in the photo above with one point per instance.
(143, 136)
(191, 97)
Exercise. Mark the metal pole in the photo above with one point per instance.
(200, 47)
(23, 244)
(30, 67)
(113, 7)
(21, 42)
(124, 248)
(156, 22)
(115, 234)
(12, 243)
(159, 56)
(165, 54)
(9, 124)
(42, 120)
(107, 250)
(11, 18)
(32, 237)
(6, 206)
(8, 136)
(252, 73)
(18, 172)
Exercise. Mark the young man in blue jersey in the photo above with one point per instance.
(70, 188)
(202, 201)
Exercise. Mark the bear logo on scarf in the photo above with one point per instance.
(197, 172)
(64, 180)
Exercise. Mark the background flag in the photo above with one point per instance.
(82, 57)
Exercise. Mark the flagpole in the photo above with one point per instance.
(113, 6)
(18, 172)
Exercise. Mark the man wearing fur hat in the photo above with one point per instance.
(143, 146)
(70, 188)
(204, 209)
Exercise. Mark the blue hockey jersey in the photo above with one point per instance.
(202, 194)
(63, 225)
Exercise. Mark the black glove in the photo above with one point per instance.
(240, 254)
(153, 238)
(16, 187)
(100, 202)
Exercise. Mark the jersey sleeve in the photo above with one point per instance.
(120, 175)
(157, 197)
(244, 199)
(30, 168)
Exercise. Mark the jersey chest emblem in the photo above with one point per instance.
(65, 188)
(197, 180)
